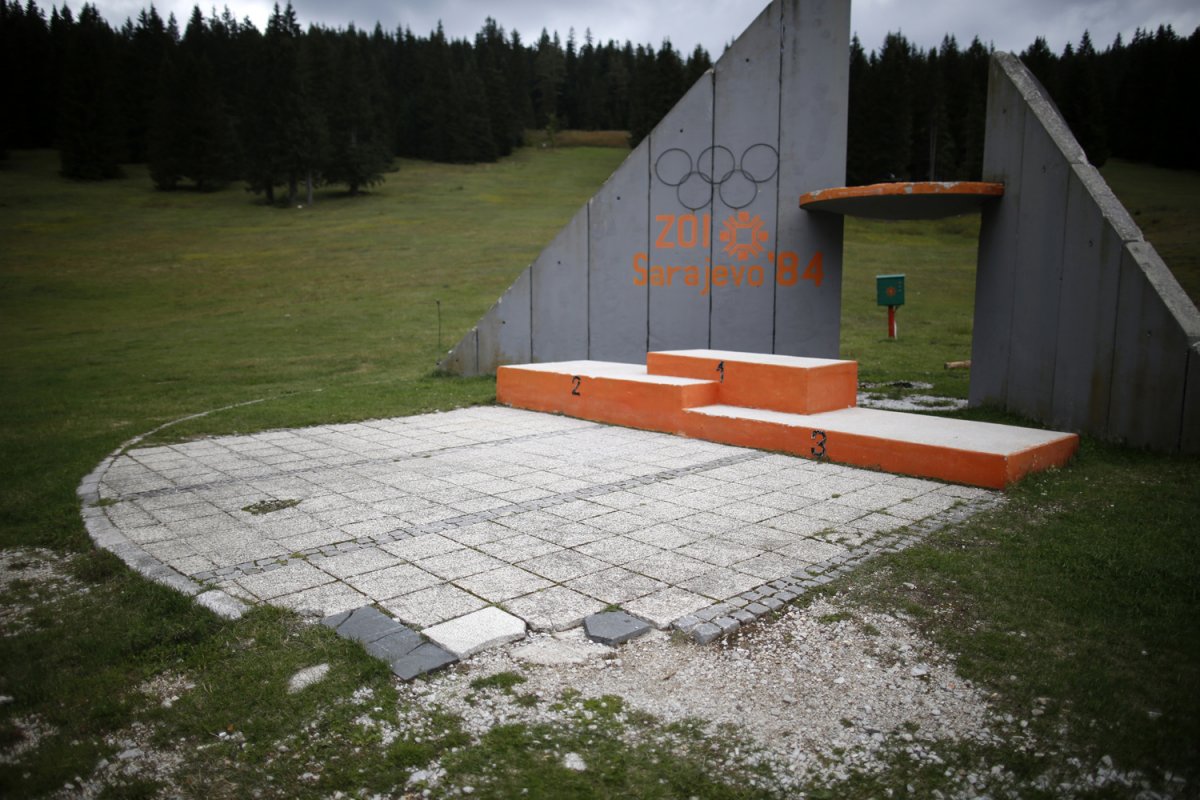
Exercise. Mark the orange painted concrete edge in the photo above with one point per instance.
(634, 404)
(973, 468)
(1057, 453)
(908, 189)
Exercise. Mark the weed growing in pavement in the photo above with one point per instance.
(269, 506)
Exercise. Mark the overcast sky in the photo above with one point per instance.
(1008, 24)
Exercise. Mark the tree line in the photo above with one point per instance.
(920, 115)
(286, 108)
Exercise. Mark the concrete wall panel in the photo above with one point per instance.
(1189, 439)
(1005, 136)
(560, 295)
(744, 165)
(617, 304)
(680, 226)
(1151, 358)
(1087, 309)
(812, 143)
(464, 358)
(504, 332)
(1037, 273)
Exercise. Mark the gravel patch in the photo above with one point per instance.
(29, 577)
(810, 698)
(30, 731)
(817, 692)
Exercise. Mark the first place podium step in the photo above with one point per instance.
(802, 406)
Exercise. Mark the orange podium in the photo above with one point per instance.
(801, 406)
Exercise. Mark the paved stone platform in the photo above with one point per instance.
(435, 517)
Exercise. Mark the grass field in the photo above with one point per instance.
(122, 308)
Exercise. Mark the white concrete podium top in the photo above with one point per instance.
(772, 359)
(608, 369)
(959, 434)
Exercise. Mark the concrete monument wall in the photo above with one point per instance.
(1078, 322)
(696, 241)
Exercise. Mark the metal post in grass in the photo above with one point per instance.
(439, 323)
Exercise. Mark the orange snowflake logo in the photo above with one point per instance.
(740, 246)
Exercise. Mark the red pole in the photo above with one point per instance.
(891, 322)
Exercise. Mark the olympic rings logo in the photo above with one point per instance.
(736, 179)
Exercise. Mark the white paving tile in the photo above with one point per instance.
(345, 565)
(615, 585)
(554, 609)
(563, 565)
(503, 583)
(479, 630)
(391, 582)
(459, 564)
(433, 605)
(419, 547)
(663, 607)
(295, 577)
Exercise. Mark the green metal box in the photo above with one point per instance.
(889, 290)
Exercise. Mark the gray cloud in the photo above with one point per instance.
(1014, 24)
(1009, 24)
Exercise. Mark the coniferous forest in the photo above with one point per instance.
(285, 109)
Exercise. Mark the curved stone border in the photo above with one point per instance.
(721, 619)
(106, 535)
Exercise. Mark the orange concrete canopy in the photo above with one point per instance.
(911, 200)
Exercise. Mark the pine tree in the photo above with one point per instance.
(211, 154)
(358, 152)
(192, 135)
(403, 75)
(976, 60)
(549, 75)
(167, 137)
(1043, 63)
(670, 80)
(147, 46)
(1082, 104)
(91, 142)
(698, 63)
(932, 141)
(569, 99)
(860, 118)
(887, 125)
(26, 51)
(437, 130)
(474, 141)
(283, 144)
(590, 91)
(519, 88)
(618, 85)
(492, 55)
(643, 111)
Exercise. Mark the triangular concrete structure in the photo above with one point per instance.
(1078, 322)
(696, 240)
